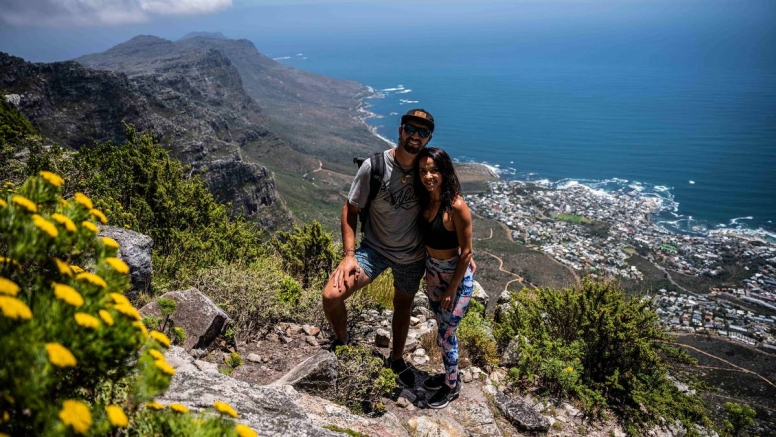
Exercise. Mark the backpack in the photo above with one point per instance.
(377, 173)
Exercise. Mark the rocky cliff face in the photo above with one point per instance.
(313, 114)
(193, 101)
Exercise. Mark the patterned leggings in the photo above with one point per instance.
(439, 272)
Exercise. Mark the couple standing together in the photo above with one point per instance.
(418, 224)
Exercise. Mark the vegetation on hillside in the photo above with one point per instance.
(590, 343)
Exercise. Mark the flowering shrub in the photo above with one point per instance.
(76, 357)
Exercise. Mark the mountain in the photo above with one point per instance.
(197, 107)
(313, 114)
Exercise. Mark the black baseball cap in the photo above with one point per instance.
(419, 115)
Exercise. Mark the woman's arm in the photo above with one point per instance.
(462, 220)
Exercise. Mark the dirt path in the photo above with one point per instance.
(518, 278)
(735, 367)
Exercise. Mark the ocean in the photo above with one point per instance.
(671, 100)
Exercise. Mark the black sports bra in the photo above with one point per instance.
(435, 235)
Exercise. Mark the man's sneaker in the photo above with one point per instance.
(435, 382)
(444, 396)
(404, 373)
(337, 343)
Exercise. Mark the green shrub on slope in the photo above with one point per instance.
(599, 347)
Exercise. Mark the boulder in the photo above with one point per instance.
(501, 312)
(435, 426)
(520, 414)
(316, 375)
(504, 297)
(511, 355)
(136, 252)
(479, 294)
(199, 317)
(270, 411)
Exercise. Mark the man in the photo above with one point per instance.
(391, 239)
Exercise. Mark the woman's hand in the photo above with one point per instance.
(448, 300)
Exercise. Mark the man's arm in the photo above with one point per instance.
(349, 224)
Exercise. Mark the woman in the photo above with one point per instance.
(446, 226)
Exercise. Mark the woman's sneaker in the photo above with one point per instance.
(444, 396)
(435, 382)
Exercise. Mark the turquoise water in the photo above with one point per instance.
(678, 101)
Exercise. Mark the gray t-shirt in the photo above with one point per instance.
(392, 228)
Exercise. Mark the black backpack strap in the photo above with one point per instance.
(376, 174)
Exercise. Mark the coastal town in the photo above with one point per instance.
(596, 232)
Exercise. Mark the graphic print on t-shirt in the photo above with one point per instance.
(404, 197)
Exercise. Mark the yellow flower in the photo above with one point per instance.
(129, 311)
(120, 299)
(110, 242)
(224, 408)
(84, 200)
(64, 221)
(116, 416)
(156, 354)
(92, 279)
(68, 294)
(76, 414)
(118, 265)
(87, 321)
(76, 269)
(139, 325)
(569, 369)
(8, 287)
(52, 178)
(106, 317)
(245, 431)
(4, 260)
(155, 405)
(45, 226)
(2, 203)
(90, 226)
(161, 338)
(164, 367)
(59, 355)
(25, 203)
(100, 216)
(13, 308)
(63, 267)
(180, 408)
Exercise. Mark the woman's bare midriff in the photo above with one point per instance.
(443, 253)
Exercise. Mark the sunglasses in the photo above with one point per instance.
(421, 131)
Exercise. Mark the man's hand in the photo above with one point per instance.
(348, 266)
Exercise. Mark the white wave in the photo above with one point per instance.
(397, 88)
(394, 113)
(300, 54)
(405, 102)
(404, 91)
(281, 58)
(304, 57)
(736, 220)
(691, 182)
(660, 188)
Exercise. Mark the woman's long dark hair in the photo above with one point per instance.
(451, 188)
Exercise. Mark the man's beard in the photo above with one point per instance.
(405, 145)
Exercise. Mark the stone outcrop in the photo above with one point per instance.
(136, 252)
(316, 375)
(199, 317)
(519, 414)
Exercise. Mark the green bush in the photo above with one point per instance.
(594, 344)
(259, 295)
(307, 253)
(77, 358)
(475, 338)
(362, 379)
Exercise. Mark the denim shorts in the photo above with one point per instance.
(406, 277)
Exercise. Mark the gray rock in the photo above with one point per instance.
(199, 317)
(271, 411)
(316, 375)
(382, 338)
(501, 312)
(504, 297)
(521, 415)
(479, 294)
(311, 340)
(253, 358)
(311, 330)
(272, 337)
(420, 300)
(511, 355)
(136, 252)
(435, 426)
